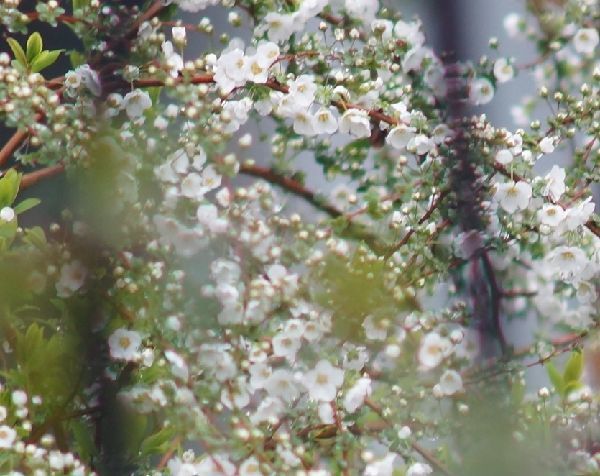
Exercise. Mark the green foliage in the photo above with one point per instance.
(9, 187)
(47, 366)
(35, 59)
(17, 50)
(34, 46)
(27, 204)
(570, 379)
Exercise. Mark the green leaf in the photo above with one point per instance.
(158, 442)
(556, 378)
(574, 368)
(34, 46)
(76, 58)
(36, 236)
(9, 187)
(17, 50)
(44, 59)
(83, 439)
(27, 204)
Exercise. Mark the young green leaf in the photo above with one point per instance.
(44, 59)
(27, 204)
(9, 186)
(17, 50)
(34, 46)
(574, 368)
(556, 378)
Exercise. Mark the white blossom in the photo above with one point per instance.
(555, 183)
(355, 396)
(7, 214)
(434, 348)
(124, 344)
(513, 196)
(72, 277)
(323, 381)
(481, 91)
(355, 122)
(135, 103)
(503, 70)
(586, 40)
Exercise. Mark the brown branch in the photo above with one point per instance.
(36, 176)
(291, 185)
(434, 206)
(15, 142)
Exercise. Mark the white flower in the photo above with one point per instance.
(135, 103)
(257, 70)
(503, 70)
(208, 216)
(566, 261)
(304, 123)
(7, 214)
(382, 28)
(409, 32)
(89, 78)
(173, 60)
(267, 53)
(355, 397)
(326, 413)
(279, 26)
(230, 70)
(124, 344)
(419, 469)
(586, 292)
(268, 410)
(399, 137)
(481, 91)
(178, 33)
(323, 381)
(513, 196)
(504, 156)
(381, 467)
(303, 89)
(551, 215)
(282, 384)
(586, 40)
(195, 5)
(375, 329)
(19, 398)
(580, 214)
(555, 183)
(512, 23)
(362, 10)
(450, 382)
(215, 465)
(250, 467)
(259, 374)
(286, 346)
(404, 432)
(434, 348)
(421, 144)
(7, 436)
(546, 145)
(72, 80)
(325, 121)
(72, 277)
(355, 122)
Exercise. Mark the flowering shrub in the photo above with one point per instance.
(185, 318)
